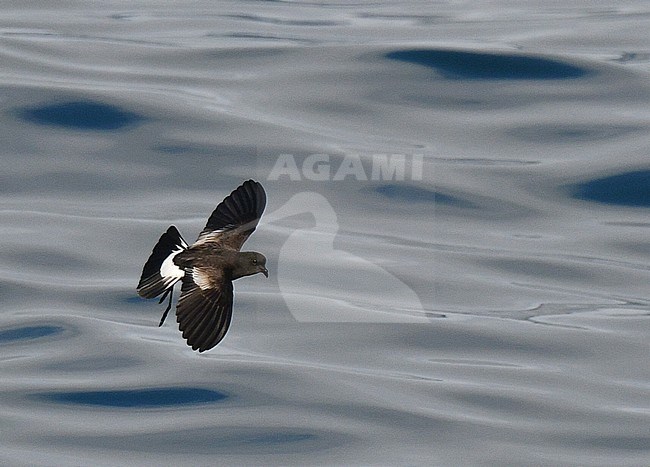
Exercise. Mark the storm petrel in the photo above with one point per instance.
(207, 268)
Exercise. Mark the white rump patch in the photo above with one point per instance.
(169, 270)
(200, 278)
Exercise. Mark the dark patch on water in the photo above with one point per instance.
(260, 53)
(623, 442)
(268, 37)
(415, 19)
(28, 333)
(81, 115)
(538, 268)
(214, 440)
(520, 406)
(420, 195)
(284, 22)
(240, 154)
(137, 398)
(626, 189)
(278, 438)
(638, 248)
(570, 133)
(175, 149)
(457, 64)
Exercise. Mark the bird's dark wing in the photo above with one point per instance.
(236, 217)
(204, 308)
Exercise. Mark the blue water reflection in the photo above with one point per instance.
(28, 332)
(141, 398)
(456, 64)
(80, 115)
(215, 440)
(420, 195)
(626, 189)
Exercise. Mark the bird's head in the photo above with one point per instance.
(249, 263)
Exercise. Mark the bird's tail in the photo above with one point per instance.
(160, 273)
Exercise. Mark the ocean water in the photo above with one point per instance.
(457, 231)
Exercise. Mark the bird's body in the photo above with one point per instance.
(207, 267)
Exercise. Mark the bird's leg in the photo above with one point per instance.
(169, 291)
(164, 296)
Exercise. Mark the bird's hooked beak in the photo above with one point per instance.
(265, 272)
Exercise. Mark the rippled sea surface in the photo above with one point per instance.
(457, 231)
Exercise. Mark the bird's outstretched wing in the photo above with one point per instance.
(204, 308)
(236, 217)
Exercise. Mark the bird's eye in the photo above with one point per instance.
(254, 260)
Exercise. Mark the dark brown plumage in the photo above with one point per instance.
(208, 267)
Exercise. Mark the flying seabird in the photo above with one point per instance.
(207, 268)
